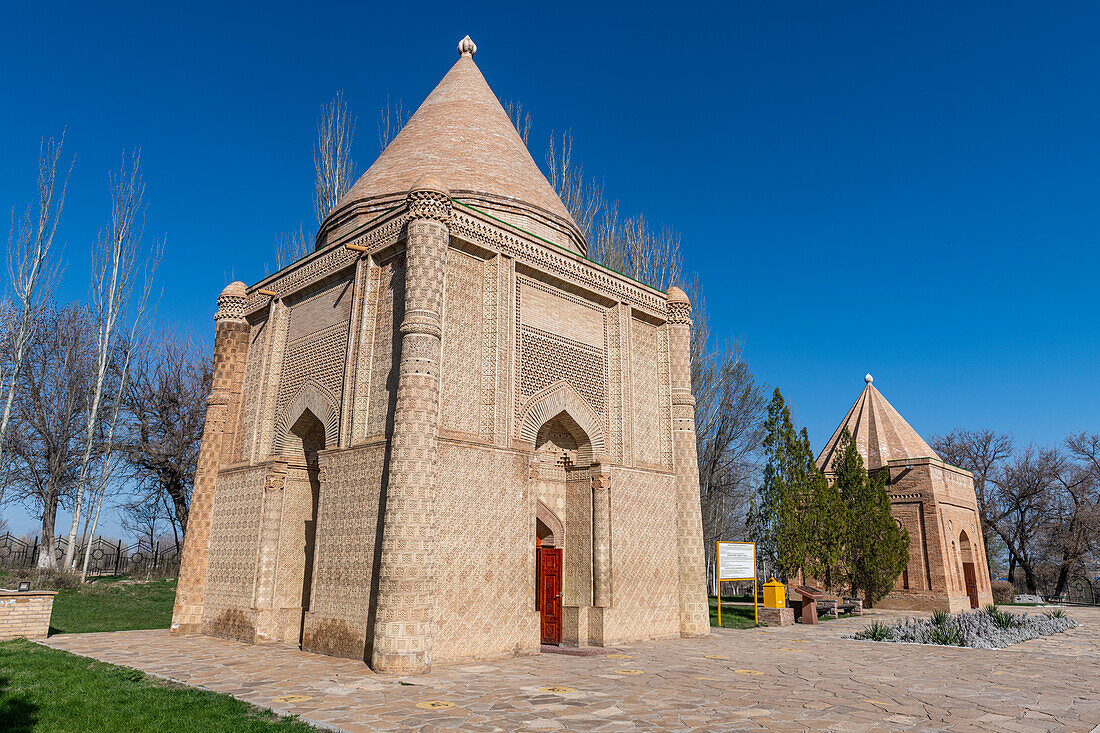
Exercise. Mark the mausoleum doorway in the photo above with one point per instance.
(970, 576)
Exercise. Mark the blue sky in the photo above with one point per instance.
(863, 187)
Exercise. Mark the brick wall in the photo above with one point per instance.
(25, 614)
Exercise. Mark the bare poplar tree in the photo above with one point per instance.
(520, 118)
(32, 269)
(290, 247)
(51, 407)
(583, 198)
(391, 120)
(333, 167)
(116, 266)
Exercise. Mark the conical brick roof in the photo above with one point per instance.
(461, 135)
(880, 432)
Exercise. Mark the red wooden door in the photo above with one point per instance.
(971, 583)
(550, 594)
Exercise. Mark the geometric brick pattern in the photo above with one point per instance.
(460, 397)
(403, 627)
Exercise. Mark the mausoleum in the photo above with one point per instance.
(447, 434)
(933, 500)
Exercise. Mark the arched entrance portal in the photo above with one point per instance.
(970, 577)
(304, 441)
(563, 490)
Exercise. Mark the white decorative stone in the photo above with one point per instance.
(467, 47)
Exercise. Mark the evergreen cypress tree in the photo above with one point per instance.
(797, 519)
(877, 549)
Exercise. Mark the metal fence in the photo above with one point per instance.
(108, 557)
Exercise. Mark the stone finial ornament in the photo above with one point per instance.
(868, 379)
(429, 199)
(231, 302)
(467, 47)
(679, 306)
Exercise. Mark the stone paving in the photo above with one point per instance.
(790, 678)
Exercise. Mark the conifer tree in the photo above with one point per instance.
(797, 519)
(877, 549)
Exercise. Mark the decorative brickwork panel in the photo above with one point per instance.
(647, 394)
(463, 345)
(545, 359)
(664, 399)
(327, 306)
(643, 556)
(246, 433)
(577, 570)
(347, 524)
(387, 345)
(503, 394)
(484, 604)
(614, 441)
(317, 359)
(234, 539)
(490, 325)
(561, 337)
(911, 517)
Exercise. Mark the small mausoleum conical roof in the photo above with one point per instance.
(880, 433)
(462, 136)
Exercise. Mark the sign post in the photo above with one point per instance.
(737, 561)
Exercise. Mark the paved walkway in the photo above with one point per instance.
(792, 678)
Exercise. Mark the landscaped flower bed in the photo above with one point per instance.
(990, 628)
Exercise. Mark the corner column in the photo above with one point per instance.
(403, 625)
(230, 353)
(694, 615)
(601, 534)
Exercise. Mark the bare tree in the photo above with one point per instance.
(391, 120)
(116, 267)
(633, 248)
(1075, 509)
(982, 452)
(165, 411)
(583, 198)
(729, 428)
(32, 269)
(51, 409)
(333, 166)
(290, 247)
(520, 118)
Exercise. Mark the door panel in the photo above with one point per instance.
(971, 583)
(550, 594)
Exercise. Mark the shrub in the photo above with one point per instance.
(940, 618)
(1056, 613)
(875, 631)
(49, 578)
(1003, 591)
(944, 635)
(986, 629)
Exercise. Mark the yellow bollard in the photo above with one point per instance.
(775, 595)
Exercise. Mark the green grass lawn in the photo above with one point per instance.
(44, 689)
(733, 617)
(111, 604)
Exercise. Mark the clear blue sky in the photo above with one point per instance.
(909, 191)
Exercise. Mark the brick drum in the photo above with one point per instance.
(25, 614)
(401, 417)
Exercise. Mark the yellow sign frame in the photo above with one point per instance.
(718, 571)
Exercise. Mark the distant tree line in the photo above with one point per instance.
(100, 406)
(1040, 506)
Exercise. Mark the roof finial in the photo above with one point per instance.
(868, 379)
(467, 47)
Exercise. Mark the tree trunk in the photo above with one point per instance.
(46, 557)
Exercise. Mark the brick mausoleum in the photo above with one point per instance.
(446, 433)
(933, 500)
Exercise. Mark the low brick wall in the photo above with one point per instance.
(25, 614)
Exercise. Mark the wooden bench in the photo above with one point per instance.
(832, 607)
